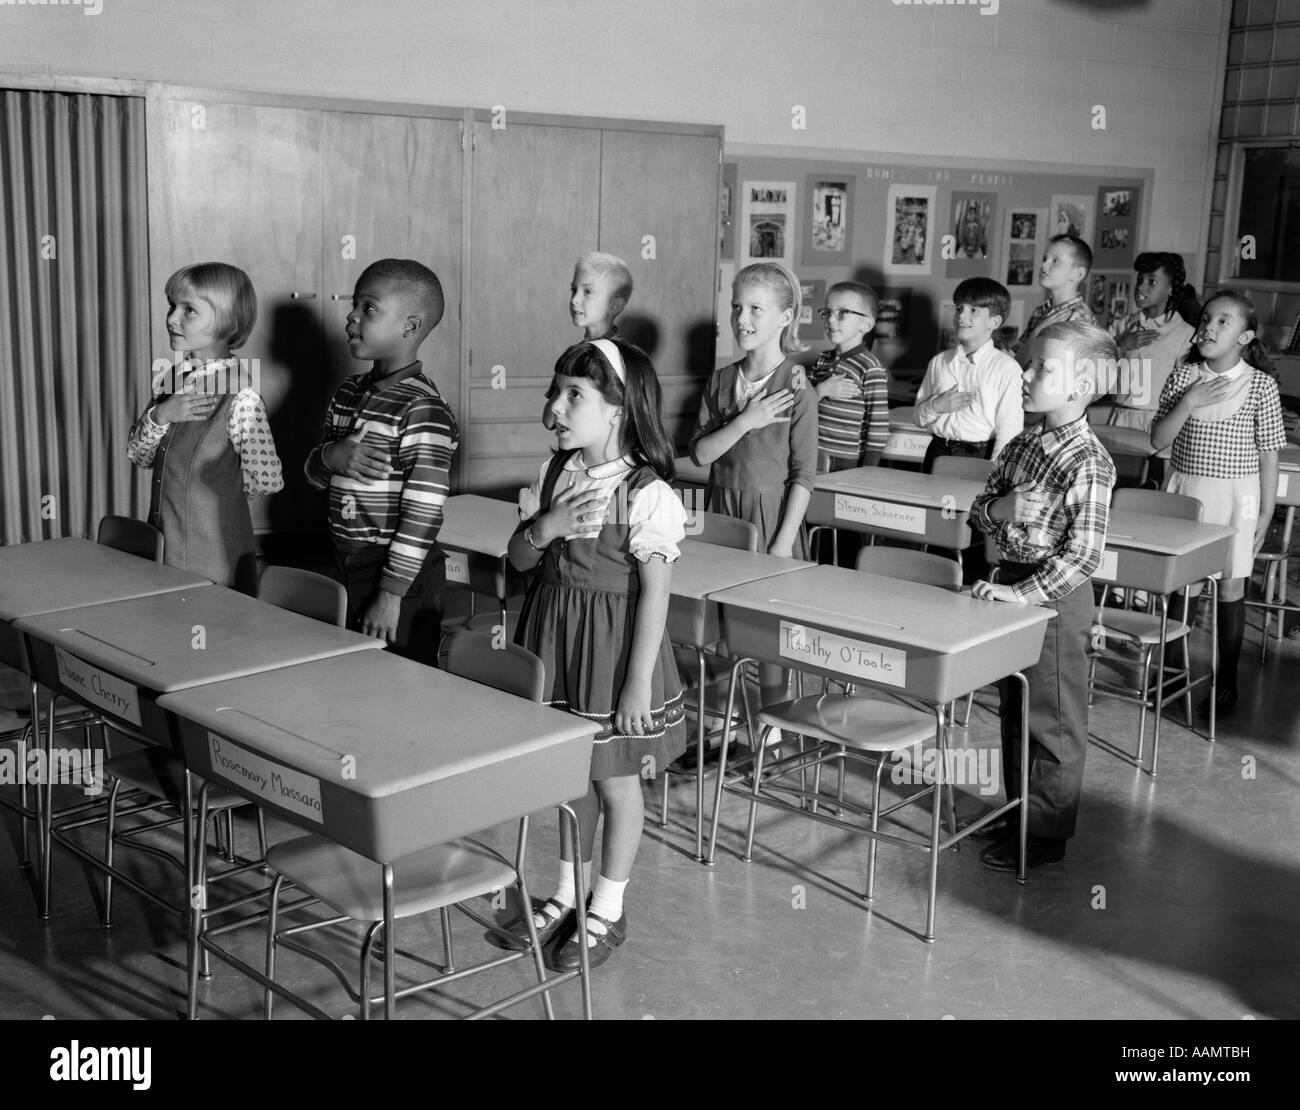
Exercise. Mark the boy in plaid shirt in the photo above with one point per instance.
(1046, 504)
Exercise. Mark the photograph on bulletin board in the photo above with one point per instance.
(909, 229)
(970, 250)
(812, 294)
(727, 211)
(1117, 208)
(1072, 215)
(767, 222)
(1023, 239)
(828, 212)
(1097, 294)
(894, 306)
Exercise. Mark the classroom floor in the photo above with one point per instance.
(1180, 898)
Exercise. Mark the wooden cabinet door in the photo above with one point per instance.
(534, 210)
(240, 183)
(392, 188)
(659, 196)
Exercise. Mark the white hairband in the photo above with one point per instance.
(607, 348)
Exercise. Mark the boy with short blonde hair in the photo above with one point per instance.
(1062, 273)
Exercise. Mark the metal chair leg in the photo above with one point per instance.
(875, 826)
(272, 920)
(110, 831)
(444, 915)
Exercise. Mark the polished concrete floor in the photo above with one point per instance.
(1179, 898)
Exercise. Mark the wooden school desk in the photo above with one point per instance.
(378, 754)
(703, 569)
(906, 443)
(931, 644)
(118, 657)
(1162, 554)
(475, 534)
(901, 504)
(50, 575)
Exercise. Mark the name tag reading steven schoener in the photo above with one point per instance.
(816, 647)
(880, 514)
(271, 782)
(93, 686)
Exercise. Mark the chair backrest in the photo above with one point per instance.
(510, 668)
(723, 530)
(911, 566)
(304, 592)
(959, 466)
(1156, 502)
(135, 537)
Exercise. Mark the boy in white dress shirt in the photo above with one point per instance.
(970, 398)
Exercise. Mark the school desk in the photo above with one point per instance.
(379, 754)
(475, 534)
(906, 442)
(703, 569)
(901, 637)
(117, 657)
(50, 575)
(901, 504)
(1161, 555)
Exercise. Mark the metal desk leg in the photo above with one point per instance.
(197, 876)
(722, 758)
(1024, 775)
(580, 906)
(1214, 655)
(46, 792)
(701, 668)
(936, 816)
(1163, 602)
(390, 946)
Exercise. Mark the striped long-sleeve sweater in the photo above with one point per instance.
(404, 509)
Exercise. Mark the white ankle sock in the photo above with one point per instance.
(564, 891)
(606, 902)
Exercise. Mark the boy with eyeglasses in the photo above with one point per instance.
(852, 387)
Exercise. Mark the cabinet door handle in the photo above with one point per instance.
(295, 295)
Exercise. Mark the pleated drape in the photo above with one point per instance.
(74, 310)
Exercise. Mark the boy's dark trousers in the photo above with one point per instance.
(1058, 713)
(419, 624)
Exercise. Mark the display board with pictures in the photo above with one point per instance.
(913, 231)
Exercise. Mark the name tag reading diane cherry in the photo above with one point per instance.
(269, 782)
(861, 658)
(93, 686)
(880, 514)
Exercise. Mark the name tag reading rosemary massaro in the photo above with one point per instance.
(819, 648)
(272, 783)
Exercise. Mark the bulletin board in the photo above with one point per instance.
(914, 229)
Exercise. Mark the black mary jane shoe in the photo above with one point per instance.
(1043, 851)
(1004, 826)
(566, 955)
(515, 938)
(1225, 704)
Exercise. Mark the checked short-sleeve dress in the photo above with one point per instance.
(578, 616)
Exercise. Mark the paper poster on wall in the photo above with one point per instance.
(893, 309)
(726, 347)
(728, 207)
(909, 229)
(828, 212)
(1024, 236)
(1097, 294)
(812, 295)
(767, 222)
(1117, 207)
(971, 225)
(1071, 215)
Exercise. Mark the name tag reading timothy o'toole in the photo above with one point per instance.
(816, 647)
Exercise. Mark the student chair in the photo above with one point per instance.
(355, 888)
(703, 662)
(1142, 630)
(135, 537)
(1276, 559)
(850, 727)
(971, 470)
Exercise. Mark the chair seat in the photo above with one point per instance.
(863, 723)
(1140, 628)
(1273, 553)
(160, 774)
(426, 880)
(717, 663)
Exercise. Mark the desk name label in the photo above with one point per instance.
(271, 783)
(880, 514)
(907, 445)
(458, 567)
(1283, 484)
(832, 652)
(91, 685)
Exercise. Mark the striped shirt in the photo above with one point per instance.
(1073, 471)
(848, 427)
(412, 422)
